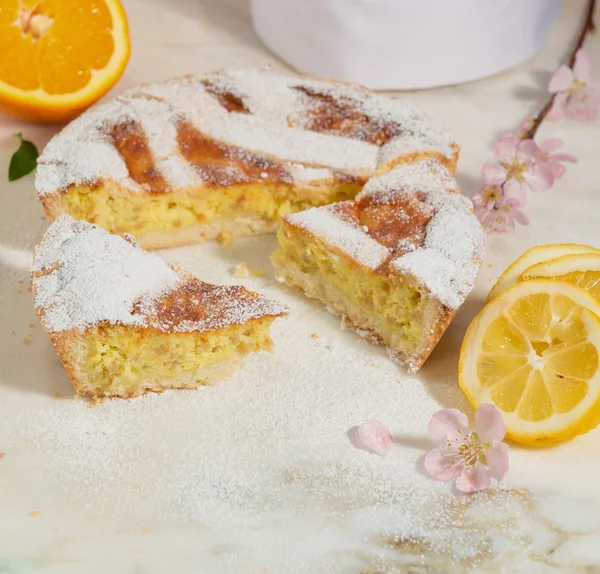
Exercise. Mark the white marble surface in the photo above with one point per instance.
(259, 474)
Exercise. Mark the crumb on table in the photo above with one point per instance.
(26, 341)
(34, 513)
(240, 270)
(225, 238)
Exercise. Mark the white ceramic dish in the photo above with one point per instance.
(403, 44)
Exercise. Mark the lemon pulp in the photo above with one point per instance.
(536, 358)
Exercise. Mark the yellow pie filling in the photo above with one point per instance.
(125, 361)
(391, 308)
(118, 212)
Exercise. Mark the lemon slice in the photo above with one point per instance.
(581, 270)
(534, 256)
(534, 353)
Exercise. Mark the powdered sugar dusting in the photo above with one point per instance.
(306, 175)
(276, 126)
(83, 275)
(449, 260)
(83, 154)
(427, 176)
(157, 121)
(239, 473)
(348, 238)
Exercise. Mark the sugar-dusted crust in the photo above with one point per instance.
(410, 222)
(83, 277)
(194, 134)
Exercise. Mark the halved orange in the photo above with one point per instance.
(59, 56)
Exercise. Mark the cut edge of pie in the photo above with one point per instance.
(396, 263)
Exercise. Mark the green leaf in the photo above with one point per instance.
(23, 160)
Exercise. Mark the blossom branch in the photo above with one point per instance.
(588, 27)
(523, 165)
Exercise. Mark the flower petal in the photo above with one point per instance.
(507, 145)
(556, 111)
(558, 170)
(448, 424)
(539, 178)
(564, 157)
(474, 478)
(515, 191)
(440, 464)
(580, 111)
(529, 150)
(560, 80)
(497, 222)
(502, 224)
(375, 436)
(592, 93)
(493, 173)
(550, 144)
(489, 424)
(497, 460)
(582, 68)
(480, 214)
(521, 217)
(487, 197)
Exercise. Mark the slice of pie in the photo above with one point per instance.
(227, 154)
(124, 322)
(396, 263)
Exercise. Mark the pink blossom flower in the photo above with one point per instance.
(553, 160)
(375, 436)
(503, 217)
(469, 458)
(485, 200)
(518, 168)
(577, 94)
